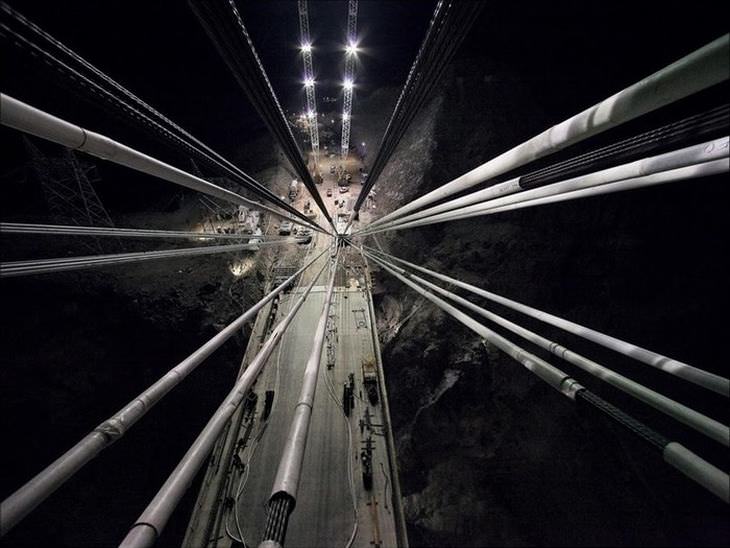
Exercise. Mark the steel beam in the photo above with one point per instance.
(150, 524)
(397, 496)
(695, 72)
(29, 496)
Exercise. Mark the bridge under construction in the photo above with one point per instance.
(301, 451)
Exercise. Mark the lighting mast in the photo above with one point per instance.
(306, 49)
(349, 82)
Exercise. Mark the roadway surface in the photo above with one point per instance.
(324, 515)
(333, 505)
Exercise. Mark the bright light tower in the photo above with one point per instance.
(350, 53)
(306, 49)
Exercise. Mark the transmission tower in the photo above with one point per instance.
(68, 187)
(349, 83)
(306, 48)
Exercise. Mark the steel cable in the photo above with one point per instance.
(21, 33)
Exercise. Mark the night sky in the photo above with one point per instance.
(574, 52)
(159, 51)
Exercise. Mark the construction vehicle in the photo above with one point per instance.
(285, 228)
(366, 460)
(347, 399)
(293, 189)
(370, 380)
(342, 221)
(268, 403)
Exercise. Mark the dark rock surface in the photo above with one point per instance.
(489, 455)
(84, 344)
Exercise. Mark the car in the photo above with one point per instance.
(329, 192)
(332, 168)
(344, 189)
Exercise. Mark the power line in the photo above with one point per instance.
(100, 88)
(225, 28)
(449, 26)
(692, 73)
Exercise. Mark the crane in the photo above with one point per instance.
(349, 81)
(306, 49)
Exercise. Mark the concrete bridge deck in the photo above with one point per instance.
(241, 472)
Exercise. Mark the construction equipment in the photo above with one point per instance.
(370, 380)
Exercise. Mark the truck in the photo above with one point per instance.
(370, 380)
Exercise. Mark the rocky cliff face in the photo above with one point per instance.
(489, 455)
